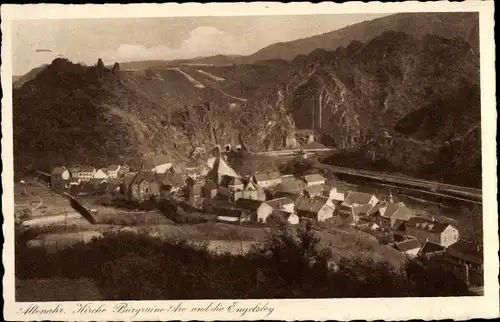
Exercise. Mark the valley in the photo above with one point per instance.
(396, 108)
(328, 155)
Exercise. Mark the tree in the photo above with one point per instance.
(131, 277)
(298, 166)
(473, 228)
(22, 214)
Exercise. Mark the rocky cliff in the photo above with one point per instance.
(95, 115)
(407, 102)
(396, 100)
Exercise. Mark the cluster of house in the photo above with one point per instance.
(263, 197)
(91, 180)
(87, 179)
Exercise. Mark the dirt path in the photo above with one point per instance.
(216, 78)
(195, 83)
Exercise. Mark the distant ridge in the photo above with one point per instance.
(443, 24)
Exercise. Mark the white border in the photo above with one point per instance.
(486, 306)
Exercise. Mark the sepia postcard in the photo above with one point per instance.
(249, 161)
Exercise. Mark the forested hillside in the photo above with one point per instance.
(84, 116)
(399, 93)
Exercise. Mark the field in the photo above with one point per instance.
(342, 241)
(345, 244)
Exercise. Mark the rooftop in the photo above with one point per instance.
(314, 190)
(314, 177)
(407, 245)
(466, 251)
(398, 224)
(430, 247)
(311, 206)
(57, 171)
(192, 165)
(248, 204)
(314, 145)
(376, 208)
(227, 212)
(259, 177)
(278, 202)
(230, 181)
(292, 186)
(86, 168)
(426, 225)
(355, 197)
(113, 167)
(361, 210)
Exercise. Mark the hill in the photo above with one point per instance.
(92, 115)
(211, 60)
(400, 100)
(19, 80)
(402, 103)
(442, 24)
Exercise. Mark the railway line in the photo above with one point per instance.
(436, 188)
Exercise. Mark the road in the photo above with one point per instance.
(293, 152)
(438, 188)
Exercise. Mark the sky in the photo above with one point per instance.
(131, 39)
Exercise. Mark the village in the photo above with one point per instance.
(210, 185)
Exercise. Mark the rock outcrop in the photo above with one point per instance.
(116, 68)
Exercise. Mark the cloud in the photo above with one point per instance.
(202, 41)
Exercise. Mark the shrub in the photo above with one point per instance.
(129, 266)
(22, 214)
